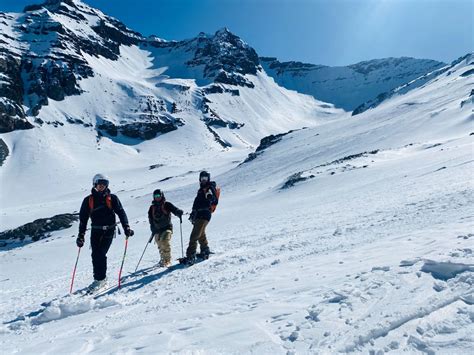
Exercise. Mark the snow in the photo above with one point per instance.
(373, 254)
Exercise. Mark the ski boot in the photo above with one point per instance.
(96, 285)
(188, 260)
(164, 263)
(204, 254)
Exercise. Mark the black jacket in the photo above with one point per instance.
(159, 216)
(101, 215)
(206, 196)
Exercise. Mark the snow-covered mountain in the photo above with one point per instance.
(348, 86)
(65, 63)
(86, 82)
(333, 234)
(412, 85)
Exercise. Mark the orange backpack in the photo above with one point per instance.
(218, 194)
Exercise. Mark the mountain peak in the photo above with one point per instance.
(224, 31)
(54, 4)
(225, 35)
(225, 56)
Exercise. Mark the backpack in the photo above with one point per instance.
(163, 209)
(108, 202)
(218, 194)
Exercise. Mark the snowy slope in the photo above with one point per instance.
(348, 86)
(369, 250)
(112, 93)
(127, 91)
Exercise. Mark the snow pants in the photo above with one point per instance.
(100, 243)
(198, 234)
(163, 241)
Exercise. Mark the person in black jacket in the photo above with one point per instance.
(101, 206)
(201, 216)
(159, 216)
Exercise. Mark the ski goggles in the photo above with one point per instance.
(157, 196)
(204, 178)
(102, 182)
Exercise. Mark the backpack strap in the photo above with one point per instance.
(218, 195)
(108, 202)
(163, 209)
(91, 203)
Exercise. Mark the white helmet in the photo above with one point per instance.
(100, 178)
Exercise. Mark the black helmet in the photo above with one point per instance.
(158, 193)
(204, 174)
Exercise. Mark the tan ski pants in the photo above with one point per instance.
(163, 241)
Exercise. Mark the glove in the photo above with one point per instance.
(192, 216)
(80, 240)
(179, 213)
(129, 232)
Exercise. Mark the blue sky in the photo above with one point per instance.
(331, 32)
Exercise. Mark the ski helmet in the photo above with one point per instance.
(158, 194)
(100, 179)
(204, 176)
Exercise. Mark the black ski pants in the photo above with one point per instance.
(100, 243)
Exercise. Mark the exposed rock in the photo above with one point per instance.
(264, 144)
(51, 71)
(469, 100)
(218, 139)
(233, 79)
(213, 89)
(146, 130)
(218, 89)
(298, 177)
(138, 130)
(40, 228)
(9, 121)
(117, 32)
(468, 72)
(3, 151)
(218, 122)
(155, 166)
(296, 68)
(225, 57)
(294, 179)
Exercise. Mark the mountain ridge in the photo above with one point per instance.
(349, 86)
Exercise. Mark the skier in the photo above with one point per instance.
(159, 216)
(101, 206)
(203, 206)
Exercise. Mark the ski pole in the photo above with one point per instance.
(149, 241)
(74, 272)
(181, 230)
(123, 260)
